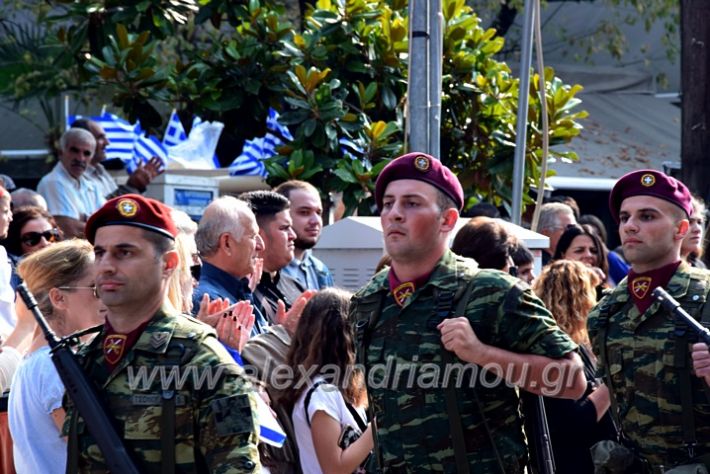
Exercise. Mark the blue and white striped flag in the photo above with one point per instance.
(249, 162)
(121, 135)
(175, 132)
(270, 431)
(273, 125)
(350, 149)
(148, 146)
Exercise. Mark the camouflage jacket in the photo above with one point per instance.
(214, 428)
(405, 370)
(640, 362)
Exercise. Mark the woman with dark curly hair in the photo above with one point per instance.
(581, 243)
(328, 407)
(568, 290)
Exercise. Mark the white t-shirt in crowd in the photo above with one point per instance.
(36, 391)
(7, 296)
(326, 398)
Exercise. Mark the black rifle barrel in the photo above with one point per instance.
(81, 390)
(672, 305)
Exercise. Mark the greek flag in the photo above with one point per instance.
(249, 162)
(273, 125)
(121, 135)
(148, 146)
(175, 132)
(350, 149)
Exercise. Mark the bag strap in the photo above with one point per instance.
(356, 416)
(307, 400)
(445, 303)
(363, 329)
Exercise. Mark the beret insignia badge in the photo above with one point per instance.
(422, 163)
(127, 207)
(648, 180)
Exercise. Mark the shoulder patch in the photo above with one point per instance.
(233, 415)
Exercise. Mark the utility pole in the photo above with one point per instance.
(425, 65)
(695, 79)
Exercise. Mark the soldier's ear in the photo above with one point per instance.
(171, 260)
(451, 216)
(682, 229)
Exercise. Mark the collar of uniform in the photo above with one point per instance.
(157, 334)
(441, 276)
(680, 281)
(376, 284)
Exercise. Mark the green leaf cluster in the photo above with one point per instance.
(342, 77)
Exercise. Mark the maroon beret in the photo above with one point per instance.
(421, 167)
(650, 183)
(134, 210)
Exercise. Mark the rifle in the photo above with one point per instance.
(670, 304)
(81, 390)
(543, 461)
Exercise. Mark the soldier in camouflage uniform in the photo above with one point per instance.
(643, 352)
(205, 422)
(408, 338)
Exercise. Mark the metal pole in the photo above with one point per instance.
(436, 52)
(521, 127)
(418, 89)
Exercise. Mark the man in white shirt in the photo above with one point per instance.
(137, 182)
(71, 196)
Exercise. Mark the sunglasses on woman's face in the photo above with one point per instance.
(34, 238)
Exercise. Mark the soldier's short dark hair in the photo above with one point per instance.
(265, 205)
(160, 243)
(444, 202)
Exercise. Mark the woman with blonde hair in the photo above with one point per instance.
(568, 289)
(61, 277)
(691, 249)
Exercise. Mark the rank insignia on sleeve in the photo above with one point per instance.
(114, 346)
(640, 286)
(159, 339)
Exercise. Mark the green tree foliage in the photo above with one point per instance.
(340, 83)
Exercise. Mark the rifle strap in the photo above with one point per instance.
(73, 445)
(167, 432)
(705, 321)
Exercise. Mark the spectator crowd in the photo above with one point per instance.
(224, 346)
